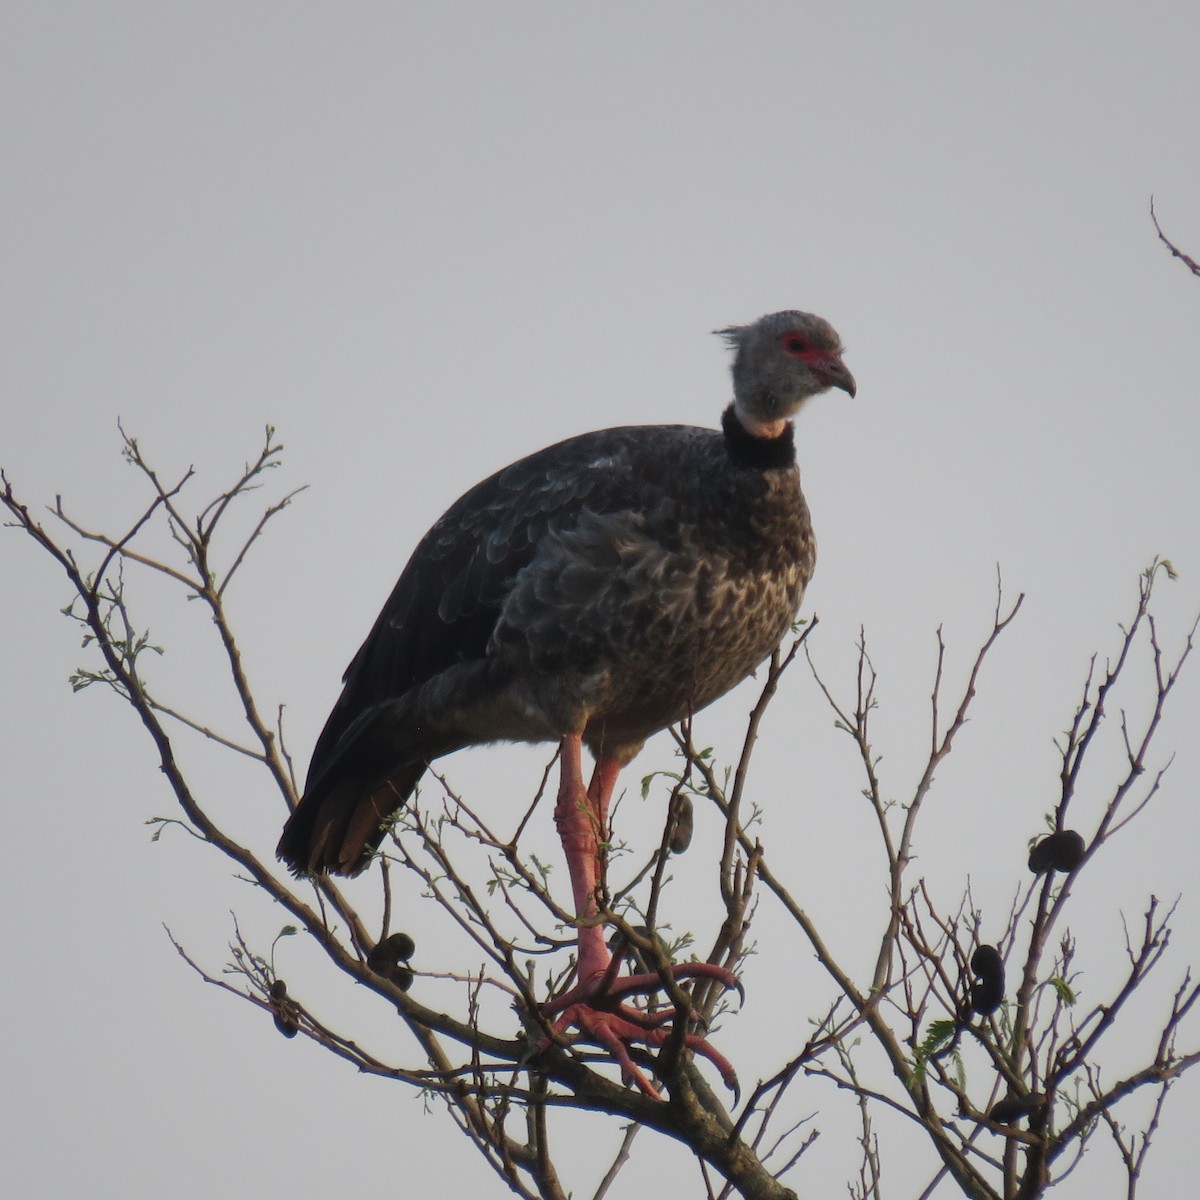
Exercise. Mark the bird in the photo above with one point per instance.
(591, 594)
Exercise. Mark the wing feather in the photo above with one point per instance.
(445, 605)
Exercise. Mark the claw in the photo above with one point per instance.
(594, 1010)
(736, 986)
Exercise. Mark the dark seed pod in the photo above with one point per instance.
(1013, 1108)
(278, 990)
(1009, 1110)
(987, 992)
(287, 1024)
(384, 958)
(1061, 851)
(987, 961)
(685, 823)
(400, 946)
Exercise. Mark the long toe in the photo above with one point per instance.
(594, 1012)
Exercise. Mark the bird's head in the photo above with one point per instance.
(780, 360)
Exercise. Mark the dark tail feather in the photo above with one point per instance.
(338, 827)
(363, 772)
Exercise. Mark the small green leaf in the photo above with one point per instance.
(939, 1034)
(1065, 992)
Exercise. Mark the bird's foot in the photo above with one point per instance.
(595, 1007)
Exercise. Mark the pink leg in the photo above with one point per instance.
(593, 1005)
(600, 790)
(578, 827)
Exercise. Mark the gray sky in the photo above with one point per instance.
(424, 240)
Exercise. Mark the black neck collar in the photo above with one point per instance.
(762, 453)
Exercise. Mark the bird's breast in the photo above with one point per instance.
(629, 624)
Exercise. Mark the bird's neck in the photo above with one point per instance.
(762, 429)
(762, 444)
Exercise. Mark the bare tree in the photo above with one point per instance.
(980, 1044)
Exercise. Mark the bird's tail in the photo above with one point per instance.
(339, 826)
(365, 769)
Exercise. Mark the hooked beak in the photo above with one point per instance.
(833, 373)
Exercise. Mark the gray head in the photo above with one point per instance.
(781, 360)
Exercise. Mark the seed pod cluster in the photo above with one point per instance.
(388, 955)
(1061, 851)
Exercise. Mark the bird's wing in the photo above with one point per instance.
(446, 602)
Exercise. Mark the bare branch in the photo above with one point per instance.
(1191, 264)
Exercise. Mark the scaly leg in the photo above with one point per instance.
(593, 1005)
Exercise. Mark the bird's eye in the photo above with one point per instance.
(793, 343)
